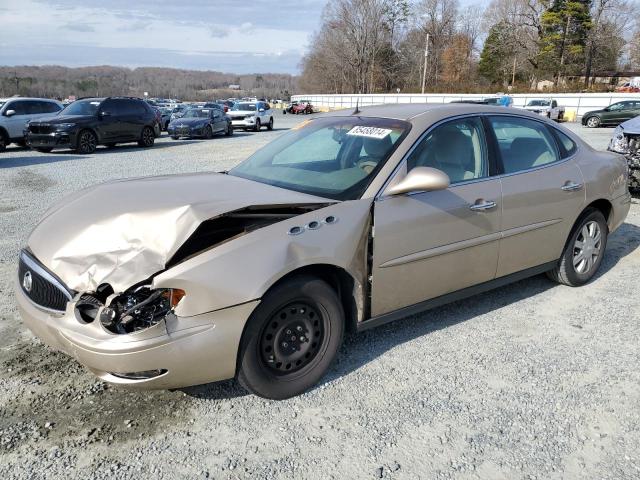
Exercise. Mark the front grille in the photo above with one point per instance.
(40, 129)
(46, 290)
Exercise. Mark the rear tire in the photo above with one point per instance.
(257, 126)
(584, 251)
(270, 124)
(147, 137)
(291, 338)
(229, 131)
(208, 133)
(3, 142)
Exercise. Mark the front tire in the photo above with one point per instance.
(584, 252)
(3, 142)
(147, 137)
(229, 130)
(593, 122)
(87, 142)
(208, 133)
(270, 124)
(291, 338)
(257, 126)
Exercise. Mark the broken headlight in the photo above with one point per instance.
(619, 143)
(139, 309)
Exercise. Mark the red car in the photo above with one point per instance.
(302, 107)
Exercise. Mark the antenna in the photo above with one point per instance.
(357, 110)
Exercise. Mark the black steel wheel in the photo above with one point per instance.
(291, 338)
(87, 142)
(147, 138)
(270, 124)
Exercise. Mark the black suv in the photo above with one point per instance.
(89, 122)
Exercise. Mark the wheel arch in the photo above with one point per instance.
(99, 138)
(603, 205)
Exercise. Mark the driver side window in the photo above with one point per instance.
(458, 148)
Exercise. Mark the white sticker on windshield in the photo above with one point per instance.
(371, 132)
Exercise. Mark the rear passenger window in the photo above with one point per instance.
(568, 146)
(458, 148)
(523, 143)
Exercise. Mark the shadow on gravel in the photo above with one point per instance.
(37, 159)
(360, 349)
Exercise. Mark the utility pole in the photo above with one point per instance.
(513, 72)
(424, 71)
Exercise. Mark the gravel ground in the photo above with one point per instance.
(533, 380)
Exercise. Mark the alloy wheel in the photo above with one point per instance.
(292, 337)
(593, 122)
(147, 137)
(587, 247)
(87, 142)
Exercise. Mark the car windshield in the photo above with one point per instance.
(82, 107)
(538, 103)
(196, 113)
(335, 157)
(244, 106)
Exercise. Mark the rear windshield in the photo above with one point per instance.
(335, 157)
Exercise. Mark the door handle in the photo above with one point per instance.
(570, 186)
(482, 205)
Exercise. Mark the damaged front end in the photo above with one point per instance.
(627, 142)
(135, 310)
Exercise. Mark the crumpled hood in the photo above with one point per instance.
(632, 126)
(123, 232)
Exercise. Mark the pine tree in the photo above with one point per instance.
(565, 28)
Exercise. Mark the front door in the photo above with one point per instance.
(429, 244)
(542, 193)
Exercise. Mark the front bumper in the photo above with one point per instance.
(246, 122)
(186, 131)
(187, 350)
(63, 139)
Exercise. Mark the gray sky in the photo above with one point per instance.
(224, 35)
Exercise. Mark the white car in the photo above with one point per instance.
(546, 107)
(16, 112)
(251, 115)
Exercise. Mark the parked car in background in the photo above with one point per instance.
(251, 115)
(259, 271)
(16, 112)
(179, 110)
(302, 107)
(626, 140)
(290, 107)
(87, 123)
(632, 86)
(614, 114)
(200, 122)
(226, 104)
(547, 107)
(166, 116)
(157, 127)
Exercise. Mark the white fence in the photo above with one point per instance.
(578, 103)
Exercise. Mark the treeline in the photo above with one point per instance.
(60, 82)
(368, 46)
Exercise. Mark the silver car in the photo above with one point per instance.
(347, 222)
(16, 112)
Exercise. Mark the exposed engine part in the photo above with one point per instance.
(139, 309)
(633, 157)
(216, 231)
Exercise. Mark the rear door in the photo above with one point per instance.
(542, 192)
(219, 123)
(109, 125)
(428, 244)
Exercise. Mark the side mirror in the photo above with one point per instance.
(261, 110)
(10, 113)
(421, 179)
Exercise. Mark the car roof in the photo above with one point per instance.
(29, 98)
(416, 112)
